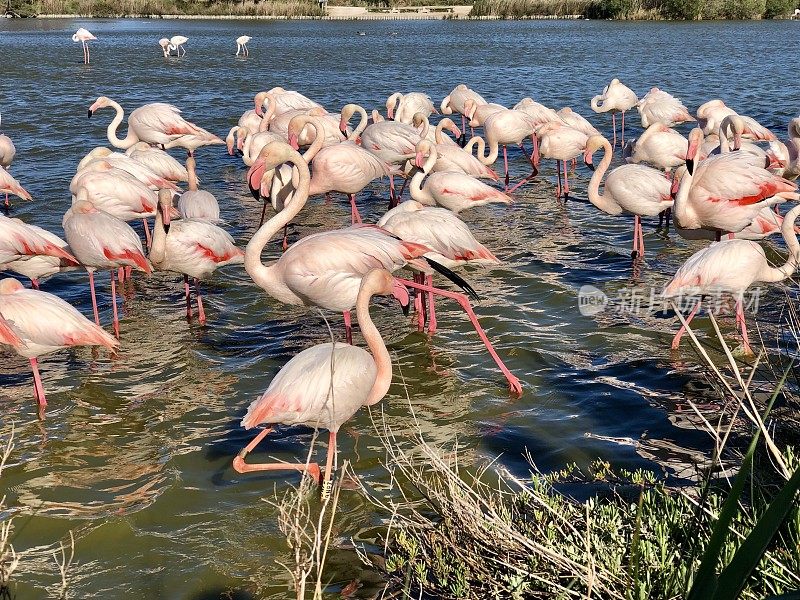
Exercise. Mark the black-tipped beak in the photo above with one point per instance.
(166, 228)
(256, 193)
(90, 113)
(690, 166)
(406, 308)
(343, 131)
(590, 165)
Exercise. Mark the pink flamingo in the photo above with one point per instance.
(766, 223)
(9, 185)
(281, 100)
(84, 36)
(449, 238)
(43, 323)
(616, 98)
(633, 189)
(102, 241)
(453, 190)
(731, 266)
(452, 157)
(346, 167)
(157, 124)
(403, 107)
(158, 161)
(560, 141)
(478, 113)
(577, 121)
(508, 127)
(21, 241)
(658, 106)
(730, 137)
(195, 203)
(7, 154)
(659, 146)
(192, 247)
(789, 152)
(326, 384)
(725, 192)
(711, 114)
(42, 265)
(99, 158)
(325, 269)
(455, 102)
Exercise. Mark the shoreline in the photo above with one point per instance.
(431, 16)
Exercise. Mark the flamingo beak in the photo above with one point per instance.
(343, 127)
(293, 141)
(254, 176)
(390, 113)
(456, 131)
(400, 293)
(587, 159)
(419, 161)
(91, 112)
(266, 183)
(165, 215)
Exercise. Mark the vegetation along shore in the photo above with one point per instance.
(414, 9)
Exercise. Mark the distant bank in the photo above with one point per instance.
(412, 9)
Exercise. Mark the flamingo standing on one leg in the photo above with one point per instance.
(43, 323)
(508, 127)
(84, 36)
(191, 247)
(632, 189)
(176, 42)
(241, 45)
(325, 385)
(101, 241)
(563, 143)
(455, 102)
(616, 98)
(731, 266)
(658, 106)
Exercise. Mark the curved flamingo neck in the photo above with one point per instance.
(439, 133)
(494, 150)
(258, 271)
(383, 361)
(476, 141)
(319, 137)
(790, 237)
(604, 202)
(426, 126)
(130, 139)
(362, 124)
(190, 168)
(418, 193)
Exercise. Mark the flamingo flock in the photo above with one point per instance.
(724, 181)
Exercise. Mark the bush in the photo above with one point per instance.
(689, 10)
(744, 9)
(776, 9)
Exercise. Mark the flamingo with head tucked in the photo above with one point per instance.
(659, 146)
(789, 152)
(508, 127)
(658, 106)
(616, 98)
(711, 115)
(9, 185)
(195, 203)
(41, 323)
(37, 266)
(455, 102)
(158, 161)
(84, 36)
(19, 241)
(403, 107)
(561, 142)
(281, 100)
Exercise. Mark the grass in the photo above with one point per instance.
(128, 8)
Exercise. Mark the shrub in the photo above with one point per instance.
(776, 9)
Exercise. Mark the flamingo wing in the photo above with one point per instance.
(10, 185)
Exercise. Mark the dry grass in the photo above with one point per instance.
(110, 8)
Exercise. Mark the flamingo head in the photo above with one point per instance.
(400, 293)
(258, 101)
(424, 149)
(448, 124)
(348, 110)
(165, 206)
(254, 177)
(9, 286)
(294, 140)
(594, 143)
(695, 141)
(101, 102)
(469, 108)
(391, 104)
(379, 282)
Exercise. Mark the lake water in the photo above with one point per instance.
(134, 455)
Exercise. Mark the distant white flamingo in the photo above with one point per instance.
(241, 45)
(84, 36)
(176, 42)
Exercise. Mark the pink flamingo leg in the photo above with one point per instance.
(128, 272)
(513, 382)
(146, 232)
(285, 245)
(677, 339)
(94, 298)
(614, 125)
(201, 314)
(641, 237)
(35, 284)
(419, 306)
(38, 388)
(8, 204)
(431, 310)
(121, 275)
(566, 181)
(392, 198)
(622, 137)
(535, 154)
(242, 467)
(402, 189)
(558, 186)
(326, 484)
(354, 216)
(187, 292)
(743, 326)
(114, 304)
(505, 165)
(348, 327)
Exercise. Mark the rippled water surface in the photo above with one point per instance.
(134, 455)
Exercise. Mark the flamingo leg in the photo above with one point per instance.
(263, 214)
(677, 339)
(121, 275)
(566, 181)
(431, 308)
(187, 292)
(614, 126)
(242, 467)
(354, 215)
(285, 237)
(513, 382)
(148, 241)
(505, 165)
(622, 133)
(201, 314)
(348, 327)
(392, 199)
(94, 298)
(8, 204)
(326, 484)
(743, 326)
(129, 273)
(558, 186)
(535, 153)
(641, 238)
(88, 55)
(402, 189)
(419, 305)
(114, 304)
(38, 388)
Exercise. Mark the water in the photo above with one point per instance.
(134, 456)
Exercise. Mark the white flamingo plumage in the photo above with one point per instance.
(195, 203)
(403, 107)
(615, 98)
(19, 241)
(41, 265)
(241, 45)
(659, 146)
(158, 161)
(658, 106)
(84, 36)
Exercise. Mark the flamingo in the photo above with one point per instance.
(346, 167)
(281, 100)
(84, 36)
(42, 265)
(633, 189)
(453, 190)
(158, 161)
(19, 241)
(731, 128)
(325, 385)
(157, 124)
(11, 186)
(560, 141)
(507, 127)
(725, 192)
(250, 120)
(102, 241)
(659, 146)
(176, 42)
(789, 152)
(407, 105)
(241, 45)
(478, 113)
(192, 247)
(455, 102)
(43, 323)
(449, 238)
(539, 113)
(7, 154)
(325, 269)
(451, 157)
(711, 114)
(766, 223)
(616, 98)
(576, 121)
(164, 43)
(195, 203)
(304, 134)
(254, 143)
(731, 266)
(658, 106)
(101, 158)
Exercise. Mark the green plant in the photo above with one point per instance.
(776, 9)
